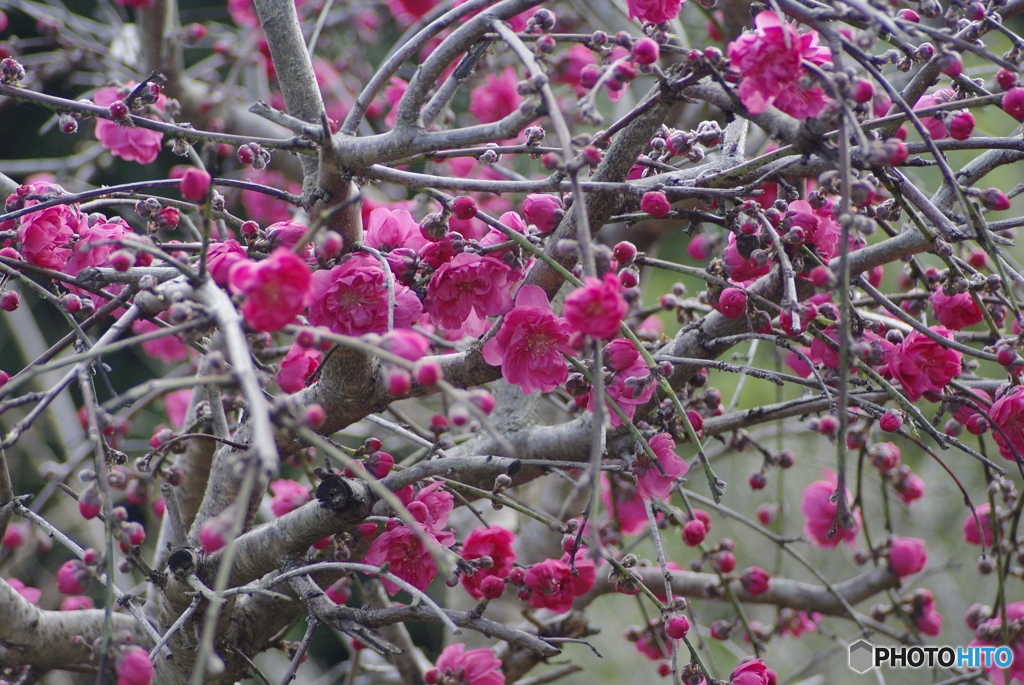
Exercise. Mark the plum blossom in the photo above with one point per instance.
(94, 247)
(752, 672)
(276, 289)
(597, 307)
(456, 666)
(463, 292)
(289, 495)
(994, 626)
(134, 667)
(130, 143)
(742, 268)
(656, 479)
(44, 236)
(631, 385)
(972, 534)
(769, 59)
(261, 207)
(1007, 415)
(494, 542)
(922, 365)
(553, 584)
(168, 348)
(956, 311)
(389, 229)
(820, 513)
(496, 98)
(297, 366)
(530, 344)
(352, 298)
(221, 257)
(543, 210)
(907, 556)
(654, 11)
(620, 499)
(31, 594)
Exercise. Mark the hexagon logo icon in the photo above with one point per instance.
(862, 656)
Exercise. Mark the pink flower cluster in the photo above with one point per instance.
(456, 666)
(276, 289)
(656, 479)
(769, 59)
(820, 514)
(923, 366)
(497, 544)
(352, 298)
(130, 143)
(552, 585)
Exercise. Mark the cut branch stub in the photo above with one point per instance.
(334, 493)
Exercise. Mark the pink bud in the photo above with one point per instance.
(482, 400)
(725, 562)
(195, 184)
(821, 276)
(994, 199)
(1006, 79)
(907, 556)
(118, 110)
(890, 422)
(492, 587)
(544, 211)
(951, 65)
(645, 51)
(1013, 103)
(694, 533)
(655, 204)
(677, 627)
(624, 252)
(316, 415)
(89, 503)
(428, 373)
(464, 208)
(757, 480)
(10, 301)
(399, 382)
(865, 91)
(755, 580)
(134, 667)
(961, 125)
(73, 577)
(897, 150)
(213, 534)
(122, 260)
(732, 303)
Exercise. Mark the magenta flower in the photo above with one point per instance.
(130, 143)
(769, 59)
(994, 626)
(134, 667)
(77, 603)
(657, 479)
(31, 594)
(458, 667)
(431, 507)
(955, 312)
(44, 236)
(74, 577)
(1007, 414)
(972, 534)
(221, 257)
(466, 290)
(352, 298)
(554, 586)
(297, 366)
(275, 289)
(626, 507)
(819, 226)
(494, 542)
(389, 229)
(289, 495)
(168, 348)
(907, 556)
(755, 580)
(936, 127)
(194, 184)
(530, 344)
(922, 365)
(497, 98)
(732, 303)
(631, 385)
(410, 560)
(752, 672)
(263, 208)
(94, 248)
(820, 513)
(654, 11)
(597, 307)
(544, 211)
(742, 268)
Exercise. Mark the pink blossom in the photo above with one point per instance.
(221, 257)
(44, 236)
(553, 584)
(545, 211)
(819, 226)
(530, 344)
(907, 556)
(626, 507)
(466, 290)
(297, 366)
(922, 365)
(134, 667)
(755, 580)
(494, 542)
(289, 495)
(597, 307)
(176, 406)
(796, 623)
(694, 532)
(497, 98)
(955, 312)
(405, 343)
(77, 603)
(194, 184)
(94, 247)
(820, 513)
(1007, 416)
(30, 594)
(742, 268)
(657, 479)
(656, 204)
(432, 506)
(407, 12)
(654, 11)
(753, 672)
(352, 298)
(168, 348)
(769, 59)
(276, 289)
(910, 486)
(571, 65)
(287, 233)
(457, 666)
(732, 303)
(130, 143)
(936, 128)
(972, 534)
(994, 626)
(74, 577)
(389, 229)
(631, 385)
(409, 559)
